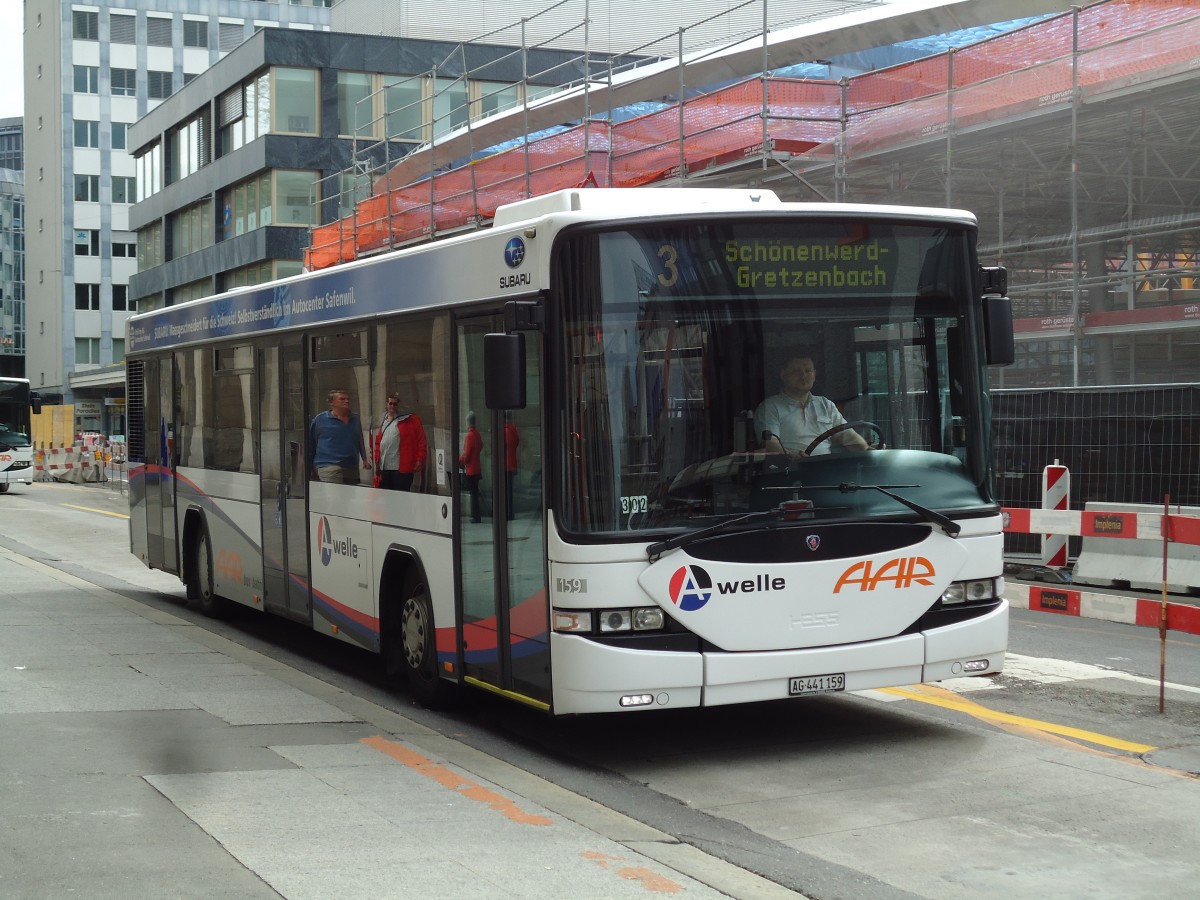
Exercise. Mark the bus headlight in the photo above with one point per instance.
(973, 591)
(611, 621)
(616, 620)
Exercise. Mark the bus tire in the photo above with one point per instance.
(417, 647)
(4, 488)
(201, 585)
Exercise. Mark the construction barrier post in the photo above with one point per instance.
(1056, 494)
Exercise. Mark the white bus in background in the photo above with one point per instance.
(637, 547)
(17, 403)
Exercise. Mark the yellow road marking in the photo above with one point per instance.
(935, 696)
(103, 512)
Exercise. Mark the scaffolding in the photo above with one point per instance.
(1073, 140)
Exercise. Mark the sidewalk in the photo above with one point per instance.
(144, 757)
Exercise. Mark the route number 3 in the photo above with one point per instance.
(670, 261)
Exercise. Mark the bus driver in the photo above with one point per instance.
(790, 420)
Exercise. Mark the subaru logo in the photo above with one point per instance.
(514, 252)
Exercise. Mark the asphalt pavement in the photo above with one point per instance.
(142, 756)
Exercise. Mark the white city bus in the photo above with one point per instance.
(17, 401)
(641, 546)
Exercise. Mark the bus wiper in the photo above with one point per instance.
(947, 524)
(787, 510)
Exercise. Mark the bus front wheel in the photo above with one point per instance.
(417, 648)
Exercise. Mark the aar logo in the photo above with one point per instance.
(514, 252)
(690, 588)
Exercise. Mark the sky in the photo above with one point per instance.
(12, 94)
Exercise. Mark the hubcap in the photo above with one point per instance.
(414, 633)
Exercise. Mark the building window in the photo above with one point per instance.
(118, 350)
(495, 97)
(158, 85)
(124, 189)
(149, 172)
(150, 247)
(86, 26)
(195, 34)
(87, 296)
(190, 147)
(123, 82)
(295, 100)
(125, 249)
(87, 79)
(122, 28)
(87, 351)
(87, 134)
(294, 201)
(87, 188)
(449, 105)
(245, 113)
(191, 229)
(229, 35)
(405, 108)
(354, 106)
(118, 136)
(87, 242)
(121, 301)
(158, 31)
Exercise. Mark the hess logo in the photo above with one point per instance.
(690, 588)
(331, 547)
(901, 572)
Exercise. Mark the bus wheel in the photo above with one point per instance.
(4, 488)
(418, 645)
(201, 586)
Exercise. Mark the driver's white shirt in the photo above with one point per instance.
(796, 424)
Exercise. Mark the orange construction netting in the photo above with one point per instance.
(1121, 43)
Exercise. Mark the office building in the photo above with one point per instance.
(91, 71)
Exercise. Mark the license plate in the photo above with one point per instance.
(817, 684)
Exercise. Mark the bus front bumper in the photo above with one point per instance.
(591, 677)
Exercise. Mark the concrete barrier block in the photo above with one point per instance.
(1138, 564)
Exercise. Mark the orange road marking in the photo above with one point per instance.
(651, 881)
(424, 766)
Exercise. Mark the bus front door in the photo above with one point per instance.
(283, 481)
(501, 548)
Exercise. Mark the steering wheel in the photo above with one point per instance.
(838, 429)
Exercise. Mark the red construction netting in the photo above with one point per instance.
(1120, 43)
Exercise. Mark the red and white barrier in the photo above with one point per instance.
(1056, 493)
(67, 464)
(1064, 601)
(1138, 526)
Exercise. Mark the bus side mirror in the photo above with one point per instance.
(504, 370)
(998, 331)
(35, 402)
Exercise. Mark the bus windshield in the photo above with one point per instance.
(679, 339)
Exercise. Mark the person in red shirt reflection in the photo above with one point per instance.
(471, 464)
(512, 440)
